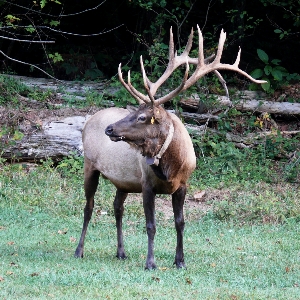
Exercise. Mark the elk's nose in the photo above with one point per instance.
(109, 130)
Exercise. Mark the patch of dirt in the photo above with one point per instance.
(163, 206)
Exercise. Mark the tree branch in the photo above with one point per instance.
(69, 33)
(26, 41)
(55, 16)
(34, 66)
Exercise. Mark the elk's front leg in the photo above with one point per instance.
(149, 209)
(91, 178)
(119, 209)
(177, 202)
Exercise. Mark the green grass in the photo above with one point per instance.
(41, 216)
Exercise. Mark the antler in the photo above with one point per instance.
(204, 66)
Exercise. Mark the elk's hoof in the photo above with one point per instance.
(78, 253)
(180, 265)
(121, 256)
(150, 266)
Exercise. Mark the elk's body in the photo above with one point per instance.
(147, 150)
(123, 164)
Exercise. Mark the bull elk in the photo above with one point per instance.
(147, 150)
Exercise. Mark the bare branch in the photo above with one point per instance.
(26, 41)
(34, 66)
(55, 16)
(68, 33)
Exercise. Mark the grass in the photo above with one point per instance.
(241, 242)
(40, 223)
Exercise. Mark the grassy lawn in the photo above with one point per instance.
(40, 223)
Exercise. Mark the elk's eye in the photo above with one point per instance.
(142, 118)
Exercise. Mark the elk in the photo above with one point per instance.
(148, 150)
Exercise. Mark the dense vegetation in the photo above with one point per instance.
(92, 38)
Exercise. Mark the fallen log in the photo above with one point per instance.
(54, 139)
(246, 104)
(62, 137)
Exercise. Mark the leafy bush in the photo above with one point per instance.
(71, 166)
(272, 72)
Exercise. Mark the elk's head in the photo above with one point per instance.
(146, 128)
(149, 128)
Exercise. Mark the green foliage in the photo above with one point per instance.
(273, 73)
(121, 97)
(79, 66)
(55, 57)
(71, 166)
(9, 135)
(43, 3)
(245, 24)
(270, 160)
(264, 204)
(30, 28)
(10, 90)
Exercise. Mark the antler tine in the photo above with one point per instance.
(200, 47)
(204, 69)
(204, 66)
(175, 92)
(189, 44)
(220, 46)
(174, 62)
(147, 82)
(133, 92)
(171, 45)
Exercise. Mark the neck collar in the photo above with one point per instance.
(155, 160)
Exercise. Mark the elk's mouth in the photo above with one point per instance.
(117, 138)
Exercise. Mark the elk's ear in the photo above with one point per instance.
(131, 108)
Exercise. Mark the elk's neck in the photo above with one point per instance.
(170, 160)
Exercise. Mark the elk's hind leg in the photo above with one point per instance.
(119, 209)
(91, 179)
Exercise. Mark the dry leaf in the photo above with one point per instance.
(10, 243)
(62, 231)
(1, 279)
(34, 274)
(199, 196)
(72, 239)
(287, 269)
(213, 265)
(2, 228)
(163, 268)
(9, 273)
(156, 279)
(188, 281)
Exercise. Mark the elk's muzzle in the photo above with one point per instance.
(109, 131)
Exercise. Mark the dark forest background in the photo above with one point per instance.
(93, 37)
